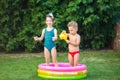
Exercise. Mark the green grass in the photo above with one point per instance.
(101, 65)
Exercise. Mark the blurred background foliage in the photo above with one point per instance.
(21, 20)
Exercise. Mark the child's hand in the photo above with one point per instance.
(63, 32)
(67, 41)
(36, 38)
(54, 38)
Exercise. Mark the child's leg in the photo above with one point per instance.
(76, 59)
(54, 56)
(47, 56)
(71, 60)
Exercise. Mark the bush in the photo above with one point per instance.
(21, 20)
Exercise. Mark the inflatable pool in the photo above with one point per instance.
(63, 72)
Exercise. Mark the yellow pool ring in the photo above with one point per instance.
(54, 73)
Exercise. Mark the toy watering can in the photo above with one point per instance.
(63, 35)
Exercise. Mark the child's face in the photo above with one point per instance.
(72, 30)
(49, 21)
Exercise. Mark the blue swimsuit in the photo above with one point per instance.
(49, 43)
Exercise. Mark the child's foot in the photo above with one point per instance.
(56, 65)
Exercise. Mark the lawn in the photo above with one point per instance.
(101, 65)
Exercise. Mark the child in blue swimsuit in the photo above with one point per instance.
(49, 34)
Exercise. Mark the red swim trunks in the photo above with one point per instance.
(73, 53)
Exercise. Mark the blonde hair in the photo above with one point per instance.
(73, 24)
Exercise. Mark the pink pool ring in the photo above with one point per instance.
(63, 72)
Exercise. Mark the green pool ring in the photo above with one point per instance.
(62, 78)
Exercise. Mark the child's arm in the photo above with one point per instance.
(41, 37)
(74, 43)
(55, 35)
(77, 41)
